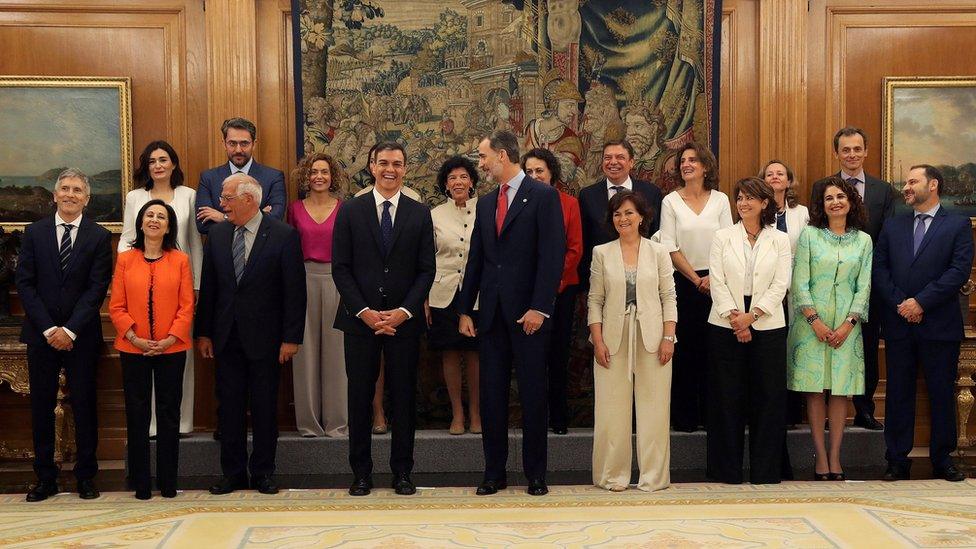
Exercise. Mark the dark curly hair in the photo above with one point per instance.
(552, 163)
(303, 171)
(759, 189)
(640, 204)
(857, 216)
(142, 175)
(707, 160)
(452, 164)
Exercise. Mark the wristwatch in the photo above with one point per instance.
(756, 315)
(852, 320)
(672, 339)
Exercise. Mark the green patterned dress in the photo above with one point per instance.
(832, 274)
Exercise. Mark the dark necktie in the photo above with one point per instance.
(919, 231)
(617, 188)
(65, 249)
(501, 209)
(386, 226)
(781, 221)
(238, 251)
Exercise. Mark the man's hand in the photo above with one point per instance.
(371, 318)
(206, 213)
(390, 320)
(466, 326)
(910, 309)
(60, 340)
(531, 321)
(205, 345)
(287, 351)
(427, 314)
(266, 209)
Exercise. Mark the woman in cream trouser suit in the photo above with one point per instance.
(632, 317)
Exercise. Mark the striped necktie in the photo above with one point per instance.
(65, 250)
(238, 251)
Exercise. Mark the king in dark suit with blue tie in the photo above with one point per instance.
(63, 273)
(383, 266)
(920, 263)
(514, 264)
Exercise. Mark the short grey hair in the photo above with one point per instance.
(73, 173)
(246, 185)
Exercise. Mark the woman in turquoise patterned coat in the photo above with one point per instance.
(831, 285)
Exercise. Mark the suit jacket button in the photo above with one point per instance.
(386, 269)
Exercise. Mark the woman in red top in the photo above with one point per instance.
(542, 165)
(152, 310)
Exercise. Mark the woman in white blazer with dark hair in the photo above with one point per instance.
(632, 318)
(750, 265)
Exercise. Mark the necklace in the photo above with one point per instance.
(753, 236)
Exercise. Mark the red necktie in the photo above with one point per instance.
(502, 208)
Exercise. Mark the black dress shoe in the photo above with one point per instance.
(685, 428)
(949, 472)
(560, 430)
(537, 487)
(868, 422)
(87, 490)
(490, 487)
(227, 485)
(893, 472)
(143, 494)
(264, 485)
(361, 486)
(403, 486)
(42, 491)
(216, 435)
(167, 492)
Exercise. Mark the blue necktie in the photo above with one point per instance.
(238, 251)
(65, 250)
(919, 231)
(386, 226)
(781, 221)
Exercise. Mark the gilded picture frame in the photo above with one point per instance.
(50, 123)
(925, 120)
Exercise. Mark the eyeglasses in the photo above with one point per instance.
(236, 144)
(225, 198)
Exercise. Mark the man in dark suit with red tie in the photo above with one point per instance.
(63, 273)
(514, 265)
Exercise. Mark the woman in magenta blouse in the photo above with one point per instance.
(319, 366)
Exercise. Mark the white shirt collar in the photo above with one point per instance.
(931, 212)
(516, 181)
(58, 221)
(246, 169)
(627, 184)
(395, 199)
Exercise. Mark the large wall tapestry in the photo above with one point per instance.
(567, 75)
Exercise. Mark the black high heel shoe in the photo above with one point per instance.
(822, 476)
(837, 476)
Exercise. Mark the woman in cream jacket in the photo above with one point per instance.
(632, 317)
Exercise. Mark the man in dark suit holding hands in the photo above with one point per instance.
(850, 149)
(239, 137)
(515, 262)
(618, 161)
(63, 273)
(921, 261)
(251, 316)
(383, 266)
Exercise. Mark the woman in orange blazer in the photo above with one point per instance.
(542, 165)
(152, 310)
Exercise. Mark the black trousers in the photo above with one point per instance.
(560, 341)
(940, 367)
(400, 354)
(44, 365)
(139, 375)
(503, 346)
(688, 380)
(244, 384)
(871, 335)
(747, 386)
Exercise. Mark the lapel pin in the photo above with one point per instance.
(525, 200)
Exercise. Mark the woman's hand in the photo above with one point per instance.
(741, 321)
(665, 351)
(839, 335)
(141, 344)
(823, 332)
(703, 285)
(743, 336)
(159, 347)
(602, 354)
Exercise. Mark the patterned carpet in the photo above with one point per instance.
(796, 514)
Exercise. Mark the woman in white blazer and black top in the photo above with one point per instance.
(632, 317)
(750, 266)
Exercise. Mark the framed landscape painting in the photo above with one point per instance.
(929, 120)
(52, 123)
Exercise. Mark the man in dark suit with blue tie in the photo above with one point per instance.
(383, 266)
(251, 316)
(921, 261)
(514, 264)
(618, 161)
(239, 137)
(63, 273)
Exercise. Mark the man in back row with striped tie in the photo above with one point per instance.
(63, 273)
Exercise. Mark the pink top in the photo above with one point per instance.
(316, 237)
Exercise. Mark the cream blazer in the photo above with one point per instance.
(187, 238)
(452, 240)
(656, 300)
(770, 276)
(797, 217)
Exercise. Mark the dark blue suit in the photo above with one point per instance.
(248, 321)
(212, 184)
(933, 276)
(514, 272)
(71, 299)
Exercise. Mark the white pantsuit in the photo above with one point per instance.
(632, 335)
(187, 241)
